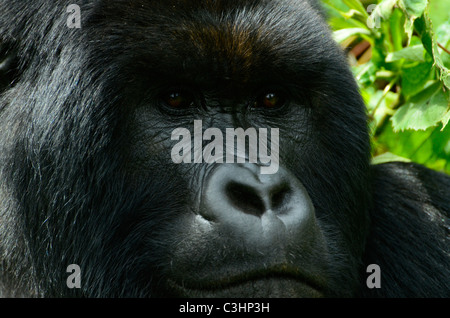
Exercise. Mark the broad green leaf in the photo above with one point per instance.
(343, 34)
(430, 147)
(415, 78)
(423, 110)
(412, 53)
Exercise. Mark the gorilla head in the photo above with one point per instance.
(87, 174)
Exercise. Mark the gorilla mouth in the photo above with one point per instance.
(264, 284)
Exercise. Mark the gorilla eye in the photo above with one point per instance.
(178, 99)
(269, 100)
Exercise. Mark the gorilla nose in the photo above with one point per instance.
(249, 194)
(238, 197)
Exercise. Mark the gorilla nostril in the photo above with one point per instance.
(280, 196)
(245, 198)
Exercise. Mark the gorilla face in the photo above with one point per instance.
(235, 231)
(93, 177)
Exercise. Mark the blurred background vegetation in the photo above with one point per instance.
(400, 54)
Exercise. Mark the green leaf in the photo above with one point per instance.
(441, 143)
(430, 147)
(343, 34)
(388, 157)
(446, 119)
(412, 53)
(356, 5)
(415, 78)
(443, 33)
(438, 10)
(424, 28)
(365, 74)
(443, 37)
(414, 8)
(423, 110)
(337, 5)
(395, 25)
(380, 105)
(337, 15)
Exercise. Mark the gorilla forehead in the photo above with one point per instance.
(248, 30)
(234, 38)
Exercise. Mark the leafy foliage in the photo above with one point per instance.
(401, 62)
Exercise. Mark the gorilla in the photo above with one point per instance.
(92, 98)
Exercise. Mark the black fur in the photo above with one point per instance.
(74, 190)
(410, 231)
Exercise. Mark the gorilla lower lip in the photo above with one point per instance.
(256, 284)
(272, 287)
